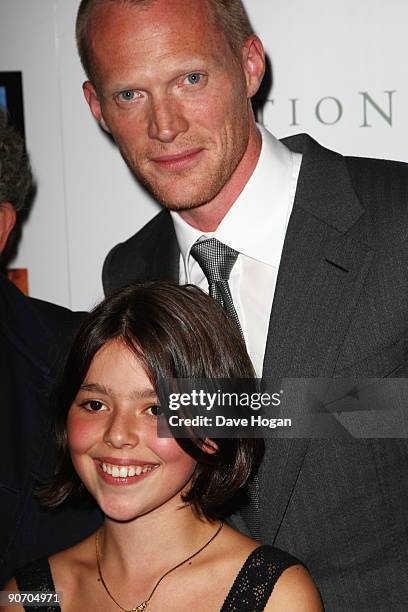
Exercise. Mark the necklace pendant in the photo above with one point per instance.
(141, 607)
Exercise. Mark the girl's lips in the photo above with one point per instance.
(177, 162)
(114, 477)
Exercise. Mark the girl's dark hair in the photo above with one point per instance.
(176, 332)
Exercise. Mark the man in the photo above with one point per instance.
(33, 335)
(172, 80)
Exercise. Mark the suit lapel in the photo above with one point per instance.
(321, 274)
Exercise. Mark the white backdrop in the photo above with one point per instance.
(339, 73)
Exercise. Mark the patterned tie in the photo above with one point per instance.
(216, 261)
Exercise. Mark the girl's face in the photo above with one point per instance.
(112, 437)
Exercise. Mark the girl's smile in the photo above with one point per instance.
(112, 436)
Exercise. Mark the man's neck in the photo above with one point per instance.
(207, 217)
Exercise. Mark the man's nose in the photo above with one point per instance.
(122, 431)
(167, 119)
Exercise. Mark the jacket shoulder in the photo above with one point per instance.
(308, 146)
(382, 188)
(127, 260)
(368, 168)
(380, 185)
(60, 320)
(40, 330)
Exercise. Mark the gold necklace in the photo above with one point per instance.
(143, 606)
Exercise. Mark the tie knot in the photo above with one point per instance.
(215, 258)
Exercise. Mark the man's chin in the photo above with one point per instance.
(187, 195)
(174, 202)
(177, 206)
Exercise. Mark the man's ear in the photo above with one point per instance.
(7, 222)
(91, 97)
(253, 61)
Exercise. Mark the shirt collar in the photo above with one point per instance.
(256, 223)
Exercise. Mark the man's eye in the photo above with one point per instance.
(154, 410)
(194, 78)
(127, 96)
(94, 405)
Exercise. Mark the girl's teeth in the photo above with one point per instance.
(125, 471)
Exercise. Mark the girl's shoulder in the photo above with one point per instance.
(34, 581)
(269, 579)
(62, 572)
(295, 591)
(11, 588)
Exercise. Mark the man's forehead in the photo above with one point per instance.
(119, 18)
(112, 10)
(119, 28)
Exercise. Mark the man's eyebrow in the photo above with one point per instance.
(147, 393)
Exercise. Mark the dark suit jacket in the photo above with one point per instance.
(340, 309)
(33, 337)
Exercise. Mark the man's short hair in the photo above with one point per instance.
(15, 172)
(229, 16)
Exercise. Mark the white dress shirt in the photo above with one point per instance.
(255, 226)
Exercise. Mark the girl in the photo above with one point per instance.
(163, 544)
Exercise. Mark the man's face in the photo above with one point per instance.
(168, 88)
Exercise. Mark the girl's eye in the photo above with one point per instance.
(94, 406)
(154, 410)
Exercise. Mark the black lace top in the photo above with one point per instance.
(249, 593)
